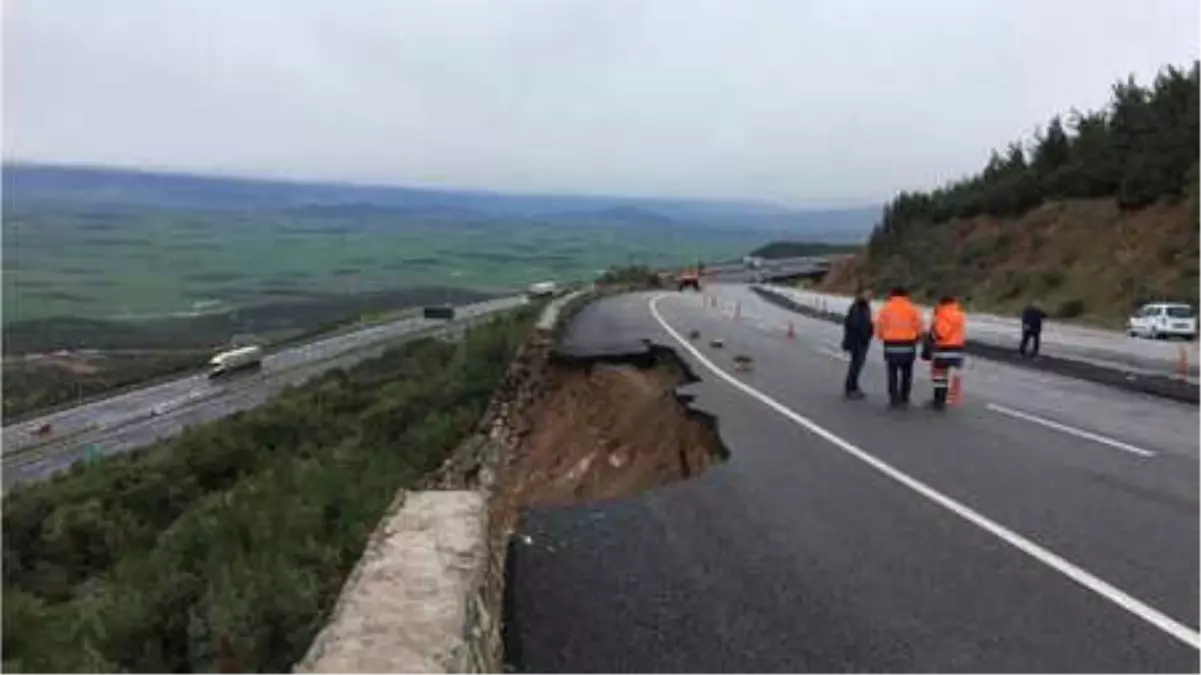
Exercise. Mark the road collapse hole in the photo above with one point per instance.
(608, 429)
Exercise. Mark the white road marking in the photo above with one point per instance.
(1074, 572)
(1080, 433)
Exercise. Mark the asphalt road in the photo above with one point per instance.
(1102, 347)
(143, 416)
(1047, 524)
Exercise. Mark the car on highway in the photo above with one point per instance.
(1162, 320)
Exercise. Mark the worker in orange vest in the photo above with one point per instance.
(899, 326)
(948, 335)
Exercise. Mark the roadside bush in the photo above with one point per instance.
(1052, 279)
(639, 275)
(225, 548)
(1070, 309)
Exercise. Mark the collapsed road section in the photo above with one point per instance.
(607, 428)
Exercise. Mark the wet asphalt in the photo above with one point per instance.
(799, 554)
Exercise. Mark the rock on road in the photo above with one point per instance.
(1047, 524)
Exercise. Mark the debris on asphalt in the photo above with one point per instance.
(716, 343)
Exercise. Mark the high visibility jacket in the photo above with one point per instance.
(948, 327)
(899, 325)
(948, 332)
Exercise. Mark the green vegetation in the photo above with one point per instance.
(1140, 149)
(798, 249)
(281, 320)
(225, 548)
(1098, 215)
(89, 260)
(637, 275)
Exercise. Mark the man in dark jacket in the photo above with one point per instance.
(1032, 328)
(856, 338)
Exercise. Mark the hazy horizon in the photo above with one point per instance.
(516, 192)
(820, 105)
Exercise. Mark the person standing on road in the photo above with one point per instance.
(899, 325)
(948, 334)
(856, 338)
(1032, 328)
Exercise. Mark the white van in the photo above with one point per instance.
(1162, 320)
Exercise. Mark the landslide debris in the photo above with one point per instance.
(603, 430)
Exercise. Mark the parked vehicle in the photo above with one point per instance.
(1162, 320)
(235, 359)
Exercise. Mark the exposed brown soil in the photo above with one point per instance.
(607, 430)
(1086, 260)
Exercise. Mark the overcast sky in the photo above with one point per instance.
(833, 102)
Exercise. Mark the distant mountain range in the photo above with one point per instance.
(117, 189)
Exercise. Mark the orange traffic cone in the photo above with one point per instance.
(955, 390)
(791, 335)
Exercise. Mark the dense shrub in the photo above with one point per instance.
(224, 549)
(1070, 309)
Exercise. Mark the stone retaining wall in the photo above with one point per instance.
(427, 596)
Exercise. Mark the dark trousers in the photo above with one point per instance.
(940, 377)
(858, 356)
(900, 376)
(1027, 337)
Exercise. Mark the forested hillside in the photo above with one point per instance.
(1097, 213)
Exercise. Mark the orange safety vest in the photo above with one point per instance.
(898, 325)
(948, 328)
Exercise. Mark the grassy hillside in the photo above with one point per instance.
(224, 549)
(103, 244)
(1083, 259)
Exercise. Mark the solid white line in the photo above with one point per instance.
(1081, 433)
(1078, 574)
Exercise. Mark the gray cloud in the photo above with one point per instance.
(803, 102)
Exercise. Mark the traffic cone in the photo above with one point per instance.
(791, 335)
(955, 390)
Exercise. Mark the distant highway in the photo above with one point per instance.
(1107, 348)
(1046, 525)
(143, 416)
(770, 269)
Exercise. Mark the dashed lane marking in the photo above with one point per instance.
(1079, 433)
(1106, 590)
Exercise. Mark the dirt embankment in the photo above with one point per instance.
(562, 431)
(1082, 259)
(609, 430)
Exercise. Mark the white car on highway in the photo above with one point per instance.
(1162, 320)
